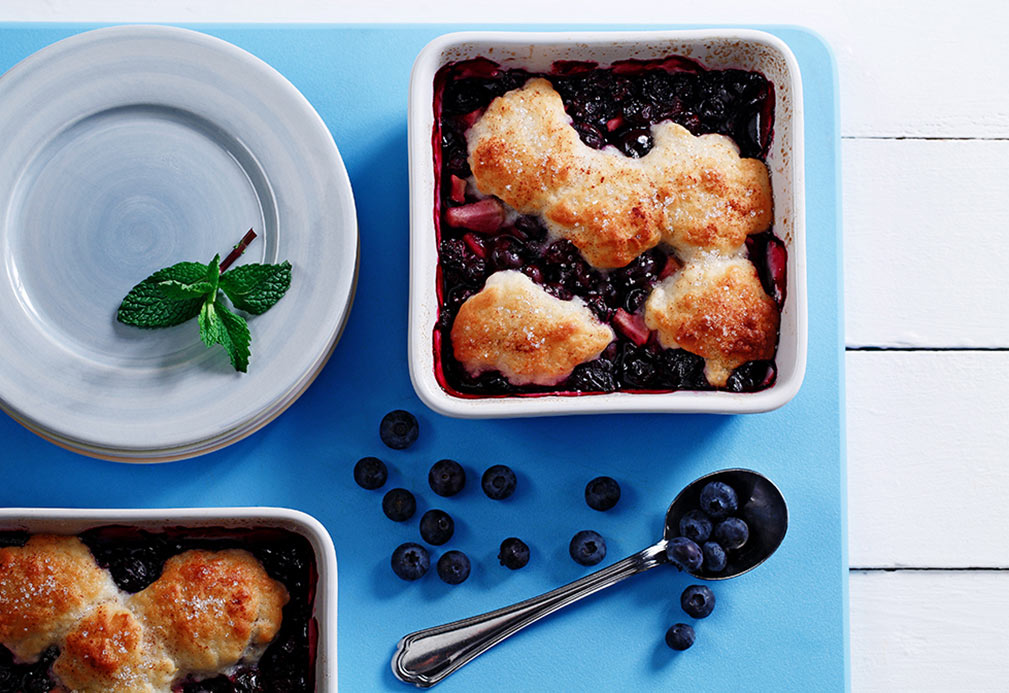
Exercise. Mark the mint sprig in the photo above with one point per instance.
(188, 290)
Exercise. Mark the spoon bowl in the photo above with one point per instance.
(761, 506)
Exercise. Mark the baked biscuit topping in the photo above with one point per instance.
(517, 328)
(715, 307)
(610, 211)
(212, 608)
(523, 149)
(109, 652)
(208, 611)
(692, 192)
(711, 198)
(45, 587)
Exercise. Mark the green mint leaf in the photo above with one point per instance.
(146, 305)
(218, 325)
(177, 291)
(214, 273)
(210, 324)
(255, 288)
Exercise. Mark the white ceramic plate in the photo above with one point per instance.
(537, 51)
(131, 148)
(75, 521)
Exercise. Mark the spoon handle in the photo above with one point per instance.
(425, 657)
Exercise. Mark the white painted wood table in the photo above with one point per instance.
(925, 157)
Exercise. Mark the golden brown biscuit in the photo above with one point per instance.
(517, 328)
(45, 587)
(715, 307)
(109, 652)
(692, 192)
(212, 608)
(523, 148)
(712, 198)
(610, 211)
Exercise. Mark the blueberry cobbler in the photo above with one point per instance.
(117, 609)
(605, 229)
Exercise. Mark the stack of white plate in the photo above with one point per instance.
(129, 149)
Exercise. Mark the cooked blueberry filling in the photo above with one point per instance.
(612, 106)
(135, 559)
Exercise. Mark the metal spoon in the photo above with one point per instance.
(427, 656)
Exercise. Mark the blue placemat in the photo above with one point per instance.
(781, 628)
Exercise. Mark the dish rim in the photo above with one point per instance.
(77, 520)
(423, 305)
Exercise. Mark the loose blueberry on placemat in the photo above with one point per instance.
(602, 493)
(514, 553)
(680, 636)
(447, 477)
(587, 547)
(399, 429)
(453, 567)
(498, 482)
(370, 473)
(436, 527)
(698, 601)
(410, 561)
(399, 505)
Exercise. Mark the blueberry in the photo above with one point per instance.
(398, 429)
(593, 376)
(696, 526)
(685, 552)
(514, 553)
(718, 499)
(602, 493)
(498, 482)
(447, 477)
(731, 533)
(436, 527)
(399, 505)
(680, 636)
(698, 601)
(636, 142)
(587, 547)
(410, 561)
(453, 567)
(638, 367)
(714, 557)
(370, 473)
(683, 370)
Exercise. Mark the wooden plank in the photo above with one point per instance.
(928, 439)
(906, 69)
(929, 631)
(924, 241)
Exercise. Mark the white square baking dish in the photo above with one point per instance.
(74, 521)
(714, 49)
